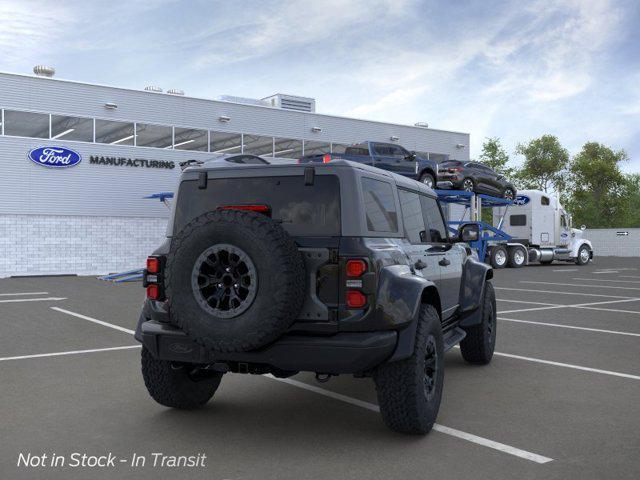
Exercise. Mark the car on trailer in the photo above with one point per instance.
(475, 177)
(336, 268)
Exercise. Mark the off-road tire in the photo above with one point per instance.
(426, 177)
(402, 396)
(478, 346)
(512, 261)
(495, 256)
(170, 384)
(280, 278)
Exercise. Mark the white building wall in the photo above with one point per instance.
(615, 242)
(54, 245)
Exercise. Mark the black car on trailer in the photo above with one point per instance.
(334, 268)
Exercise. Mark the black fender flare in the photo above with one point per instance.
(400, 295)
(474, 278)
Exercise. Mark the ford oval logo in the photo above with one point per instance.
(55, 157)
(521, 200)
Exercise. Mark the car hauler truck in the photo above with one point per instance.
(538, 221)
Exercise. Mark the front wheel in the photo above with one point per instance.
(410, 390)
(468, 185)
(478, 346)
(178, 385)
(428, 180)
(584, 255)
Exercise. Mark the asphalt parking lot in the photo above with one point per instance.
(560, 399)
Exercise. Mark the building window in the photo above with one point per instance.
(287, 148)
(157, 136)
(257, 145)
(379, 205)
(26, 124)
(190, 139)
(338, 148)
(222, 142)
(71, 128)
(316, 148)
(114, 133)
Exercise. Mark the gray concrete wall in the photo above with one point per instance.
(615, 242)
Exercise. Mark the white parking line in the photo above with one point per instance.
(606, 271)
(567, 270)
(606, 280)
(23, 293)
(573, 327)
(580, 285)
(73, 352)
(629, 276)
(533, 457)
(576, 305)
(561, 293)
(94, 320)
(522, 301)
(48, 299)
(568, 365)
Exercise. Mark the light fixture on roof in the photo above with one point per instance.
(422, 124)
(316, 129)
(460, 145)
(44, 71)
(224, 119)
(111, 105)
(175, 91)
(62, 134)
(153, 88)
(393, 138)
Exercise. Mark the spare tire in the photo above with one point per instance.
(235, 280)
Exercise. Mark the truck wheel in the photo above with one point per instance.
(428, 180)
(517, 257)
(584, 255)
(499, 256)
(409, 391)
(235, 280)
(175, 385)
(477, 347)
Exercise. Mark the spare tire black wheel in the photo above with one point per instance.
(235, 280)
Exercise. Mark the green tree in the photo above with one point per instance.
(545, 164)
(632, 186)
(495, 156)
(599, 191)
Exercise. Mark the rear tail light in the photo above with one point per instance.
(153, 291)
(152, 278)
(251, 208)
(153, 265)
(326, 158)
(356, 268)
(356, 299)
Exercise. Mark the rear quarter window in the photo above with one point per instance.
(303, 210)
(379, 206)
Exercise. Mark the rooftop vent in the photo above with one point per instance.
(175, 91)
(153, 88)
(291, 102)
(422, 124)
(44, 71)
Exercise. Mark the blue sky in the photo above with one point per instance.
(515, 70)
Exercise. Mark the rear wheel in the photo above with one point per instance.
(410, 390)
(517, 257)
(478, 346)
(584, 255)
(428, 180)
(499, 256)
(468, 185)
(178, 385)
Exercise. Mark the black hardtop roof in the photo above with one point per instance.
(298, 169)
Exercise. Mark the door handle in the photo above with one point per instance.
(419, 265)
(444, 262)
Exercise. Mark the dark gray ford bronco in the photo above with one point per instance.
(336, 268)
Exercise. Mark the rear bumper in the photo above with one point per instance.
(346, 352)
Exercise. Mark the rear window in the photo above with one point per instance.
(312, 210)
(379, 206)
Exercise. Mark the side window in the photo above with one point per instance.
(518, 220)
(397, 151)
(437, 231)
(412, 216)
(563, 221)
(381, 149)
(379, 206)
(544, 201)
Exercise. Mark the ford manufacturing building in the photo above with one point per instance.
(120, 145)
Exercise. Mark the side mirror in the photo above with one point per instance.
(411, 157)
(469, 232)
